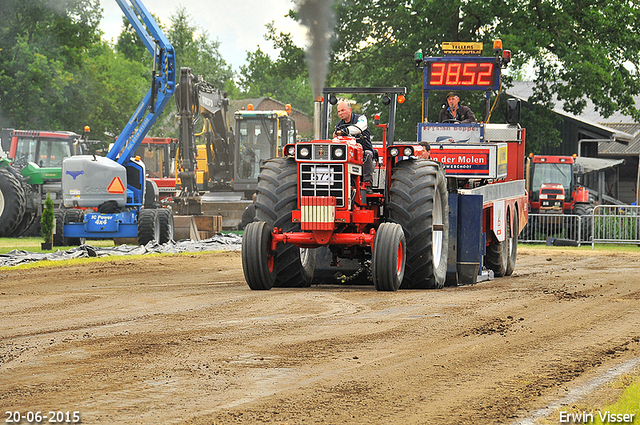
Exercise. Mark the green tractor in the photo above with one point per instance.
(31, 168)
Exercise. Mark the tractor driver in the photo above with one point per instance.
(355, 125)
(453, 111)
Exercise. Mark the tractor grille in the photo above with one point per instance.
(320, 152)
(323, 180)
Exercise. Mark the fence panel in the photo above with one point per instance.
(540, 227)
(616, 224)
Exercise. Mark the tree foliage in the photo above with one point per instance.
(375, 41)
(286, 78)
(194, 49)
(43, 44)
(57, 74)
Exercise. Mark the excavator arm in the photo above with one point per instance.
(196, 97)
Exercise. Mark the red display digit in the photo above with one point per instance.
(485, 72)
(437, 74)
(453, 74)
(468, 74)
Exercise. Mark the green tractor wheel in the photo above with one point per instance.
(12, 202)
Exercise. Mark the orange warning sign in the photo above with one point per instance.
(116, 186)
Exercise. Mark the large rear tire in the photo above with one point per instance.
(388, 258)
(277, 197)
(27, 223)
(257, 262)
(419, 203)
(12, 202)
(148, 226)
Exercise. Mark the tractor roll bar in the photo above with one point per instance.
(393, 92)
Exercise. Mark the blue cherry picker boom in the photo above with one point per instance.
(111, 190)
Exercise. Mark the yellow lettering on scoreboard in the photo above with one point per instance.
(462, 48)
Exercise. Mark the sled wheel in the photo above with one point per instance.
(512, 237)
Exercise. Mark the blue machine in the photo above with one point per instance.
(112, 189)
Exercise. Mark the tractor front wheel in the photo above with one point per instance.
(388, 258)
(419, 203)
(258, 263)
(276, 200)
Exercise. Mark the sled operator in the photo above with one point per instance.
(454, 111)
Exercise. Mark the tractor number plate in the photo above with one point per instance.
(323, 175)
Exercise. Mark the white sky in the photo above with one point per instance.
(239, 25)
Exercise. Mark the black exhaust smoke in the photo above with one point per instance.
(317, 16)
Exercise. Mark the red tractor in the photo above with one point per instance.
(314, 197)
(553, 189)
(440, 209)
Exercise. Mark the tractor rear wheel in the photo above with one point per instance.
(165, 218)
(388, 258)
(148, 226)
(12, 202)
(258, 263)
(27, 223)
(277, 197)
(419, 203)
(512, 238)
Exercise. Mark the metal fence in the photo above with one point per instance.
(542, 227)
(616, 224)
(607, 224)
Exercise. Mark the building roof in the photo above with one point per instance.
(618, 127)
(621, 148)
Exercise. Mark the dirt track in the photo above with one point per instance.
(175, 339)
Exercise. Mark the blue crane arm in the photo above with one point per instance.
(163, 81)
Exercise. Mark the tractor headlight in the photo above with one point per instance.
(337, 153)
(291, 150)
(394, 151)
(304, 152)
(408, 151)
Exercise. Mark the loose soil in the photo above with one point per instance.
(182, 339)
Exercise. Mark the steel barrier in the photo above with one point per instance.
(616, 224)
(541, 227)
(607, 224)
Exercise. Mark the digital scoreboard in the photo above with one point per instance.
(461, 73)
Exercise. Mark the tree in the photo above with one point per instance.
(195, 50)
(43, 44)
(285, 78)
(375, 41)
(47, 221)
